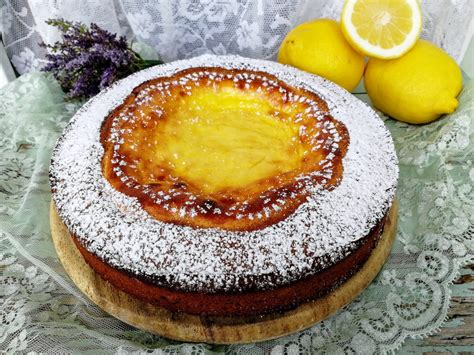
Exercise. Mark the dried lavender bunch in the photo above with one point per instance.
(88, 60)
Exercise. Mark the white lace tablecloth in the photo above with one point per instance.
(178, 29)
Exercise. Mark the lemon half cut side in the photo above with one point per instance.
(382, 29)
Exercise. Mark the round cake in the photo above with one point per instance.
(224, 186)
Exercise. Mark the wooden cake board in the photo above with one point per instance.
(216, 330)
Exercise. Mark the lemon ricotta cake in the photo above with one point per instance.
(224, 186)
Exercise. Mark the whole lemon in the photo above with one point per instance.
(416, 88)
(319, 47)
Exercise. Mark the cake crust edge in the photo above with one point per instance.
(253, 302)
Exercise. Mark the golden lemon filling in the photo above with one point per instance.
(233, 149)
(226, 143)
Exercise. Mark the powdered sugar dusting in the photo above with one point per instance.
(323, 230)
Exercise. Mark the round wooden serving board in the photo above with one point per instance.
(216, 330)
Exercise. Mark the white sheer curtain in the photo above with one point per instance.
(185, 28)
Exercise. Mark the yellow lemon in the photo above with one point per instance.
(381, 28)
(417, 87)
(320, 48)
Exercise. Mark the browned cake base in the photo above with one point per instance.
(216, 329)
(243, 303)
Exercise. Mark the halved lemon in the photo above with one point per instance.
(382, 29)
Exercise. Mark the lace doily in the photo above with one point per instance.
(42, 311)
(187, 28)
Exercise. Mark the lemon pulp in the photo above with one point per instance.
(381, 28)
(229, 142)
(389, 25)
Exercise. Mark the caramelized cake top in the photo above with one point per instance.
(328, 225)
(213, 147)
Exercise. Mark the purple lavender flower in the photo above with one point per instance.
(90, 59)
